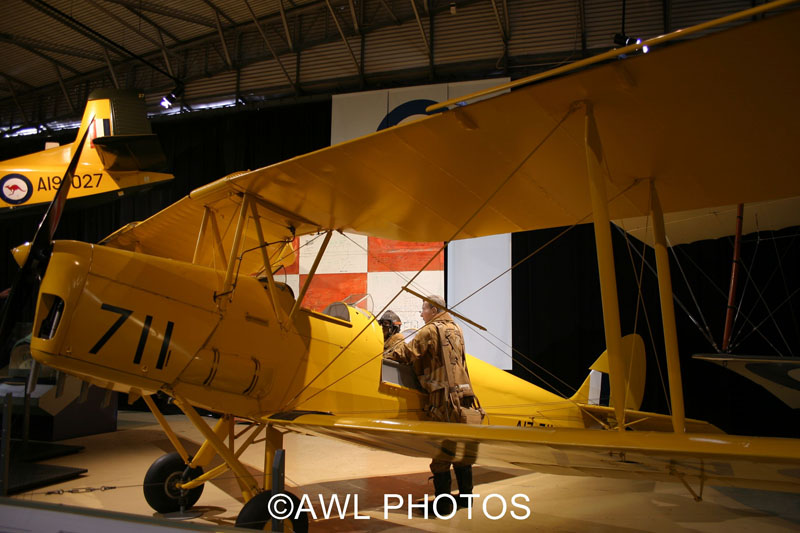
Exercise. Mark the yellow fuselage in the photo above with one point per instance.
(139, 323)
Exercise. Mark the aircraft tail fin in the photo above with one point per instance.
(596, 389)
(120, 132)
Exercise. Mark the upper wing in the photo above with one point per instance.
(755, 462)
(174, 232)
(711, 120)
(718, 221)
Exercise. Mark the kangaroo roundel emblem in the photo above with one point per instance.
(15, 189)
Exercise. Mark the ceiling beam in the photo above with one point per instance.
(422, 31)
(269, 46)
(219, 11)
(353, 14)
(152, 7)
(16, 101)
(341, 34)
(50, 47)
(47, 57)
(222, 41)
(91, 34)
(155, 25)
(111, 69)
(64, 89)
(500, 25)
(391, 13)
(18, 81)
(285, 25)
(165, 55)
(125, 23)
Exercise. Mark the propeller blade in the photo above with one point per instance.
(47, 228)
(31, 270)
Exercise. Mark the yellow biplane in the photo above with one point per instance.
(122, 154)
(161, 305)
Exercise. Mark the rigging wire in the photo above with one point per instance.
(707, 329)
(783, 277)
(639, 283)
(676, 299)
(569, 387)
(722, 294)
(526, 357)
(744, 289)
(535, 149)
(737, 340)
(772, 313)
(779, 268)
(755, 328)
(518, 263)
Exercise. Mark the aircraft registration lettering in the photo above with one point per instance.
(124, 314)
(85, 181)
(531, 423)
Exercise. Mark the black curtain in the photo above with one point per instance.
(558, 321)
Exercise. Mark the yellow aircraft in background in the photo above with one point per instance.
(122, 153)
(160, 305)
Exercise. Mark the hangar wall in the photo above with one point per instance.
(388, 47)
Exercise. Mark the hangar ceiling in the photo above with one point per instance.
(53, 53)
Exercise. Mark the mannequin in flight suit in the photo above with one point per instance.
(437, 355)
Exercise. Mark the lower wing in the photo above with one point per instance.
(713, 459)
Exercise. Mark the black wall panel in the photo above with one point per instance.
(558, 322)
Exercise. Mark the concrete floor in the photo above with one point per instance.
(320, 467)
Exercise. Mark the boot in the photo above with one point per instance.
(464, 480)
(441, 485)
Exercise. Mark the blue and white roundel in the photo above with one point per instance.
(412, 109)
(15, 189)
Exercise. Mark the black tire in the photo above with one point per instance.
(256, 515)
(159, 484)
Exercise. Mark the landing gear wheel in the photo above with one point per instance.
(161, 480)
(256, 513)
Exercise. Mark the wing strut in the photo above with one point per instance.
(667, 313)
(208, 217)
(273, 291)
(311, 273)
(237, 240)
(605, 266)
(201, 235)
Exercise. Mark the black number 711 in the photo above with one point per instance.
(124, 314)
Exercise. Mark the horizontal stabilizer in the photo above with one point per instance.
(646, 421)
(779, 375)
(131, 152)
